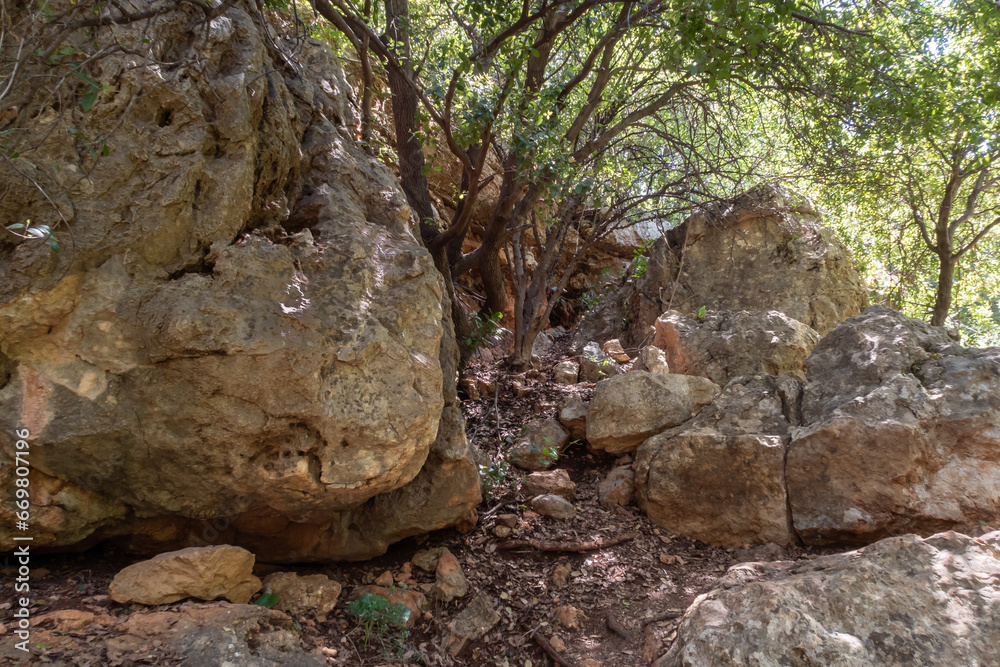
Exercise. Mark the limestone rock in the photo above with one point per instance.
(618, 488)
(721, 477)
(206, 573)
(613, 348)
(626, 410)
(725, 344)
(766, 249)
(573, 417)
(427, 559)
(555, 482)
(595, 365)
(553, 506)
(449, 580)
(901, 434)
(221, 634)
(652, 359)
(472, 623)
(186, 377)
(541, 443)
(901, 601)
(567, 372)
(312, 593)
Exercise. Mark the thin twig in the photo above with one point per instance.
(554, 654)
(666, 616)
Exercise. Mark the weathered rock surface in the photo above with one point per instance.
(652, 359)
(257, 350)
(595, 365)
(566, 372)
(721, 477)
(573, 416)
(618, 488)
(449, 580)
(776, 255)
(901, 601)
(472, 623)
(550, 481)
(215, 635)
(613, 348)
(553, 506)
(206, 573)
(306, 594)
(902, 433)
(539, 446)
(725, 344)
(627, 409)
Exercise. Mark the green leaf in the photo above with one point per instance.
(105, 150)
(88, 101)
(16, 225)
(701, 312)
(268, 600)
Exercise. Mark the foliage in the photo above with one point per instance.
(26, 230)
(492, 477)
(376, 615)
(268, 600)
(485, 331)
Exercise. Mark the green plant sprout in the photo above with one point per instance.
(26, 230)
(376, 614)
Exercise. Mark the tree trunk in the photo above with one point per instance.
(946, 279)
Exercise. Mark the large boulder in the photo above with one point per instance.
(766, 249)
(720, 478)
(256, 349)
(627, 409)
(901, 601)
(721, 345)
(901, 433)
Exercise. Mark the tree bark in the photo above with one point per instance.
(946, 279)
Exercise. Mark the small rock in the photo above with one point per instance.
(502, 530)
(297, 595)
(570, 617)
(542, 345)
(653, 360)
(427, 560)
(471, 387)
(206, 573)
(573, 416)
(553, 506)
(556, 482)
(450, 581)
(560, 576)
(618, 488)
(595, 365)
(385, 579)
(528, 515)
(520, 389)
(557, 643)
(509, 520)
(486, 389)
(567, 372)
(72, 620)
(613, 348)
(541, 443)
(472, 623)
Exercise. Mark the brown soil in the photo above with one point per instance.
(619, 589)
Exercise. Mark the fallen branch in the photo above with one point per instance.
(667, 616)
(553, 545)
(554, 654)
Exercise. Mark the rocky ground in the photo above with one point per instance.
(555, 590)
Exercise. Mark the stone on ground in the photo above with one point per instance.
(900, 601)
(553, 506)
(539, 446)
(653, 360)
(618, 488)
(206, 573)
(573, 416)
(595, 365)
(472, 623)
(555, 482)
(449, 580)
(567, 372)
(626, 410)
(311, 593)
(613, 348)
